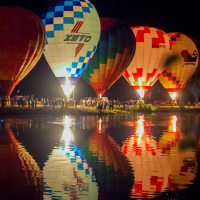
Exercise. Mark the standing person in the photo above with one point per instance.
(36, 102)
(2, 102)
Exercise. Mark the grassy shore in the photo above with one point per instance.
(80, 110)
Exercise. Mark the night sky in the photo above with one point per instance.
(169, 16)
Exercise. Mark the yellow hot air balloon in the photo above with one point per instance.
(153, 46)
(181, 69)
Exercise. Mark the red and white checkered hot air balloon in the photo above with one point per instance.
(153, 46)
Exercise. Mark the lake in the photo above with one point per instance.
(140, 156)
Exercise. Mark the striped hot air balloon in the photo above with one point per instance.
(114, 52)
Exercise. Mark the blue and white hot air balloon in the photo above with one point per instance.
(72, 34)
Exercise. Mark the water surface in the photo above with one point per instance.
(141, 156)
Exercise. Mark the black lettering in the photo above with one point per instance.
(75, 37)
(82, 36)
(88, 38)
(68, 38)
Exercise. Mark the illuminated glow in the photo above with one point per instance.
(173, 95)
(140, 128)
(67, 88)
(174, 123)
(140, 92)
(100, 95)
(72, 35)
(153, 46)
(67, 135)
(100, 121)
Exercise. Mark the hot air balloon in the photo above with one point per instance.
(72, 34)
(114, 52)
(21, 177)
(66, 172)
(181, 69)
(22, 41)
(153, 46)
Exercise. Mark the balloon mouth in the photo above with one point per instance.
(68, 84)
(141, 90)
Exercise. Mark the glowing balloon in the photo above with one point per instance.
(72, 33)
(153, 46)
(21, 177)
(22, 41)
(180, 70)
(114, 52)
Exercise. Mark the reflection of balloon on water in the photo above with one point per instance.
(153, 46)
(66, 173)
(22, 41)
(182, 161)
(72, 34)
(114, 52)
(110, 167)
(151, 168)
(180, 70)
(21, 178)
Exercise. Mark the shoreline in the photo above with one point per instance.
(79, 110)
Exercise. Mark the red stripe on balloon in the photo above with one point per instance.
(78, 48)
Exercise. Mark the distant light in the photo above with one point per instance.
(1, 120)
(140, 92)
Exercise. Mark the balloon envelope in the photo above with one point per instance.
(180, 70)
(114, 52)
(22, 41)
(152, 48)
(72, 34)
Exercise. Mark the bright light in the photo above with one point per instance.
(140, 92)
(67, 88)
(173, 95)
(140, 128)
(100, 95)
(100, 121)
(67, 135)
(174, 123)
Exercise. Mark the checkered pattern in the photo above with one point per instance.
(176, 75)
(66, 172)
(152, 48)
(70, 17)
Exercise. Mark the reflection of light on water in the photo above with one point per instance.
(174, 123)
(140, 128)
(67, 135)
(66, 173)
(100, 121)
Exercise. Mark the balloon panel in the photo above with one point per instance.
(114, 52)
(72, 33)
(181, 69)
(152, 48)
(22, 41)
